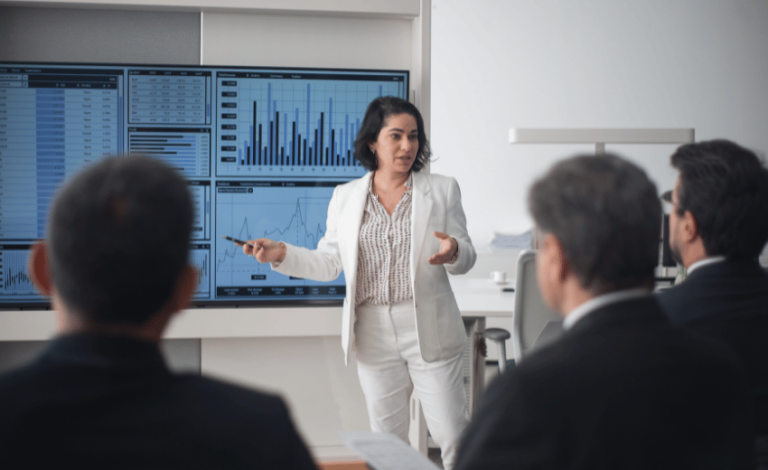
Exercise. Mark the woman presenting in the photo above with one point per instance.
(396, 233)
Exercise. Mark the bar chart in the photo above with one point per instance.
(294, 127)
(186, 149)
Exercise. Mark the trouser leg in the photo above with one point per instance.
(383, 372)
(440, 386)
(390, 365)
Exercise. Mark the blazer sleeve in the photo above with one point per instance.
(456, 226)
(323, 263)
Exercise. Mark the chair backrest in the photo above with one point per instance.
(531, 316)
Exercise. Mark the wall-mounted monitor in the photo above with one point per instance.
(262, 149)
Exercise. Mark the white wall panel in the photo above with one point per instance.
(498, 64)
(303, 41)
(69, 35)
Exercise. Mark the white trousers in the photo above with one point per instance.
(389, 364)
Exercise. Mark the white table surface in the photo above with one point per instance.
(479, 297)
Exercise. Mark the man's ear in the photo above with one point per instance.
(690, 227)
(185, 289)
(554, 257)
(39, 269)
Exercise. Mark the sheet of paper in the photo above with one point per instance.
(520, 242)
(383, 451)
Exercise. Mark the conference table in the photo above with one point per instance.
(480, 297)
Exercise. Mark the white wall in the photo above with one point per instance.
(103, 36)
(306, 41)
(498, 64)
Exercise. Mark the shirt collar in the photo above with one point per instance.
(601, 301)
(704, 262)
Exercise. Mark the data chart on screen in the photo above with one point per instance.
(169, 96)
(186, 149)
(53, 122)
(294, 124)
(15, 282)
(261, 149)
(290, 211)
(201, 201)
(200, 258)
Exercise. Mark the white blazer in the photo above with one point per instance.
(436, 207)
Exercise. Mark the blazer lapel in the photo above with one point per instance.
(421, 211)
(349, 226)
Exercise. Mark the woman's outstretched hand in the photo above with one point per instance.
(265, 250)
(448, 248)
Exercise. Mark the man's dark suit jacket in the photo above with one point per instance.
(621, 389)
(728, 301)
(110, 402)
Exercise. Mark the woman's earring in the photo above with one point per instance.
(373, 151)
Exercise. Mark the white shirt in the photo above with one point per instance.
(704, 262)
(601, 301)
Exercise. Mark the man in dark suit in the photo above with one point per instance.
(622, 388)
(718, 225)
(115, 264)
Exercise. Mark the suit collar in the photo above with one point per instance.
(705, 262)
(727, 268)
(108, 351)
(602, 301)
(643, 310)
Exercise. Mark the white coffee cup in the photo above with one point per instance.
(499, 277)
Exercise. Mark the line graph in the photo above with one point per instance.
(14, 275)
(200, 258)
(292, 212)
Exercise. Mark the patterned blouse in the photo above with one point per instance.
(384, 251)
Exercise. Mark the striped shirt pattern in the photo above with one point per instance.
(384, 252)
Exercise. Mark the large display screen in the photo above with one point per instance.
(262, 149)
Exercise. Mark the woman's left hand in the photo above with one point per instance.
(448, 248)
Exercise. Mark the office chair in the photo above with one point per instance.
(534, 324)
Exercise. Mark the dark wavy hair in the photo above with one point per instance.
(375, 118)
(725, 187)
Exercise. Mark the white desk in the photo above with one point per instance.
(478, 297)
